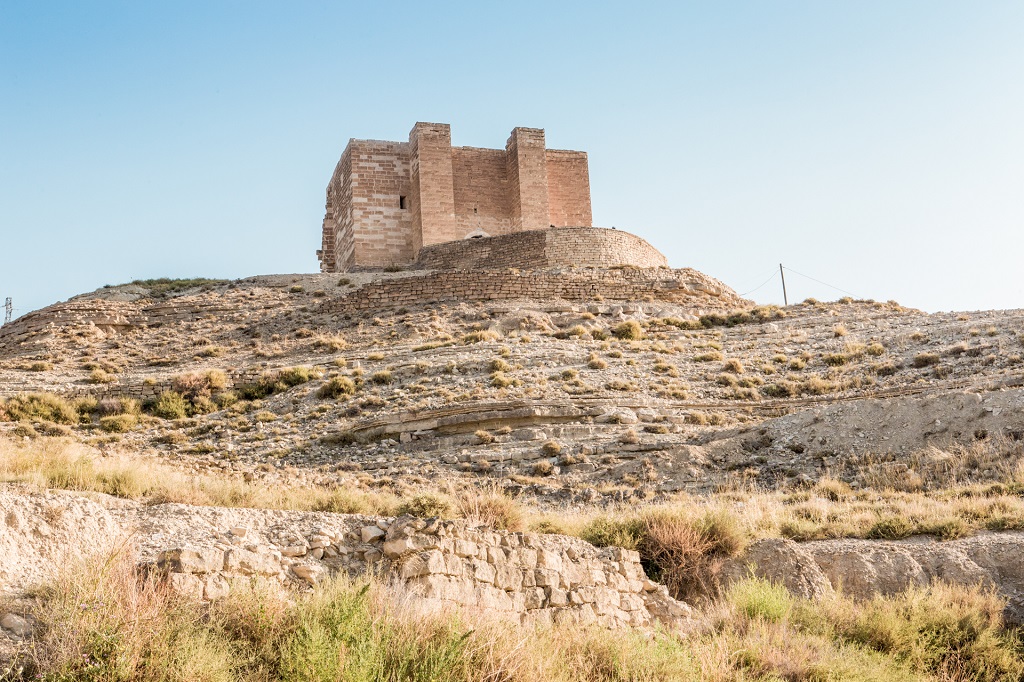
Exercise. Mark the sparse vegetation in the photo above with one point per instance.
(629, 330)
(163, 286)
(278, 381)
(337, 387)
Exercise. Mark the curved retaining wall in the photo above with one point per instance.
(686, 286)
(579, 247)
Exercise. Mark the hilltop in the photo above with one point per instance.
(447, 407)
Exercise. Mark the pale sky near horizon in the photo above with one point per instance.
(877, 146)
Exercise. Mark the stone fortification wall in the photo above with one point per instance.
(679, 286)
(575, 247)
(522, 577)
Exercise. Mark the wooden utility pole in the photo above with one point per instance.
(785, 298)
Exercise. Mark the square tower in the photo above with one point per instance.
(387, 200)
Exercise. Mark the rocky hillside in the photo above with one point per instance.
(557, 447)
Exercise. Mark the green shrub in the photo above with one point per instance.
(891, 528)
(551, 448)
(278, 382)
(119, 423)
(425, 506)
(40, 407)
(382, 377)
(101, 376)
(500, 365)
(953, 632)
(501, 380)
(608, 531)
(763, 313)
(733, 365)
(163, 285)
(170, 405)
(199, 384)
(630, 330)
(337, 387)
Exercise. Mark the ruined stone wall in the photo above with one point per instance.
(568, 247)
(523, 577)
(568, 188)
(481, 191)
(682, 286)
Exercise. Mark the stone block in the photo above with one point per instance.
(192, 559)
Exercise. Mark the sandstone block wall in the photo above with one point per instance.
(568, 184)
(681, 286)
(523, 577)
(386, 200)
(578, 247)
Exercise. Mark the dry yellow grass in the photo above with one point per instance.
(103, 621)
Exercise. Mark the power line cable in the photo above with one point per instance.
(819, 281)
(773, 276)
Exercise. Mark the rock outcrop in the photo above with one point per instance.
(865, 568)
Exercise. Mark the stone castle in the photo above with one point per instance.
(388, 200)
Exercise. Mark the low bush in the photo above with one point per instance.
(499, 365)
(629, 330)
(278, 381)
(337, 387)
(834, 359)
(765, 313)
(332, 343)
(101, 376)
(120, 423)
(163, 286)
(425, 506)
(39, 407)
(199, 384)
(170, 405)
(733, 365)
(479, 336)
(551, 448)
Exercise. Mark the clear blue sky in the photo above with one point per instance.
(874, 145)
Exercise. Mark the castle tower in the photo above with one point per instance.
(387, 200)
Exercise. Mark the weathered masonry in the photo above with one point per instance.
(387, 200)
